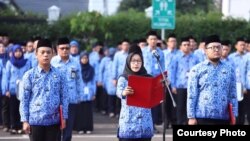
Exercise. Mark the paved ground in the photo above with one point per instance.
(104, 130)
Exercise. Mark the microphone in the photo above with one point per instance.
(156, 55)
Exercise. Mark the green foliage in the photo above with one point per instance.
(204, 24)
(6, 11)
(131, 25)
(138, 5)
(90, 27)
(194, 6)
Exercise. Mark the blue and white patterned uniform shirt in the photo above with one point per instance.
(200, 54)
(228, 61)
(1, 74)
(43, 93)
(182, 65)
(94, 61)
(11, 76)
(105, 75)
(239, 64)
(72, 71)
(210, 90)
(247, 72)
(168, 58)
(134, 122)
(33, 59)
(118, 64)
(150, 61)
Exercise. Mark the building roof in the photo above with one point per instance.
(41, 6)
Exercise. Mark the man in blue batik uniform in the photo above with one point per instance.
(44, 90)
(211, 87)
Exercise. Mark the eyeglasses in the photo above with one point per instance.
(64, 48)
(136, 61)
(215, 47)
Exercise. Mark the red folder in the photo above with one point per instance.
(231, 114)
(148, 91)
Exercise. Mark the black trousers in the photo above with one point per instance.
(170, 109)
(6, 111)
(14, 113)
(111, 103)
(140, 139)
(204, 121)
(181, 106)
(45, 133)
(247, 98)
(241, 112)
(1, 121)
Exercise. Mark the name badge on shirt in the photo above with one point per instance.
(156, 66)
(73, 73)
(86, 90)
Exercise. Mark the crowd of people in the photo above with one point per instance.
(37, 77)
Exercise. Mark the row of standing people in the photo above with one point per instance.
(78, 87)
(178, 82)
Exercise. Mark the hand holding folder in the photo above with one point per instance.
(148, 91)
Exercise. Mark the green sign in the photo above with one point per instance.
(163, 14)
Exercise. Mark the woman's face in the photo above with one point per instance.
(18, 53)
(135, 63)
(84, 60)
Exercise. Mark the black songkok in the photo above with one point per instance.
(212, 39)
(44, 43)
(62, 41)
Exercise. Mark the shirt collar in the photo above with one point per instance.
(61, 61)
(40, 70)
(207, 62)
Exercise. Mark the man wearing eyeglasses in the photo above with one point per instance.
(72, 69)
(211, 87)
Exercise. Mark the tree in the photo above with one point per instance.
(194, 6)
(138, 5)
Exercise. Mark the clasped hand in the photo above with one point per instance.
(127, 91)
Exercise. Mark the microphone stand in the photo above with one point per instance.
(166, 88)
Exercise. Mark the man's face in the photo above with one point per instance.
(213, 51)
(248, 47)
(63, 50)
(2, 48)
(142, 44)
(5, 40)
(185, 47)
(44, 55)
(193, 44)
(240, 46)
(125, 46)
(152, 40)
(171, 43)
(225, 51)
(29, 46)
